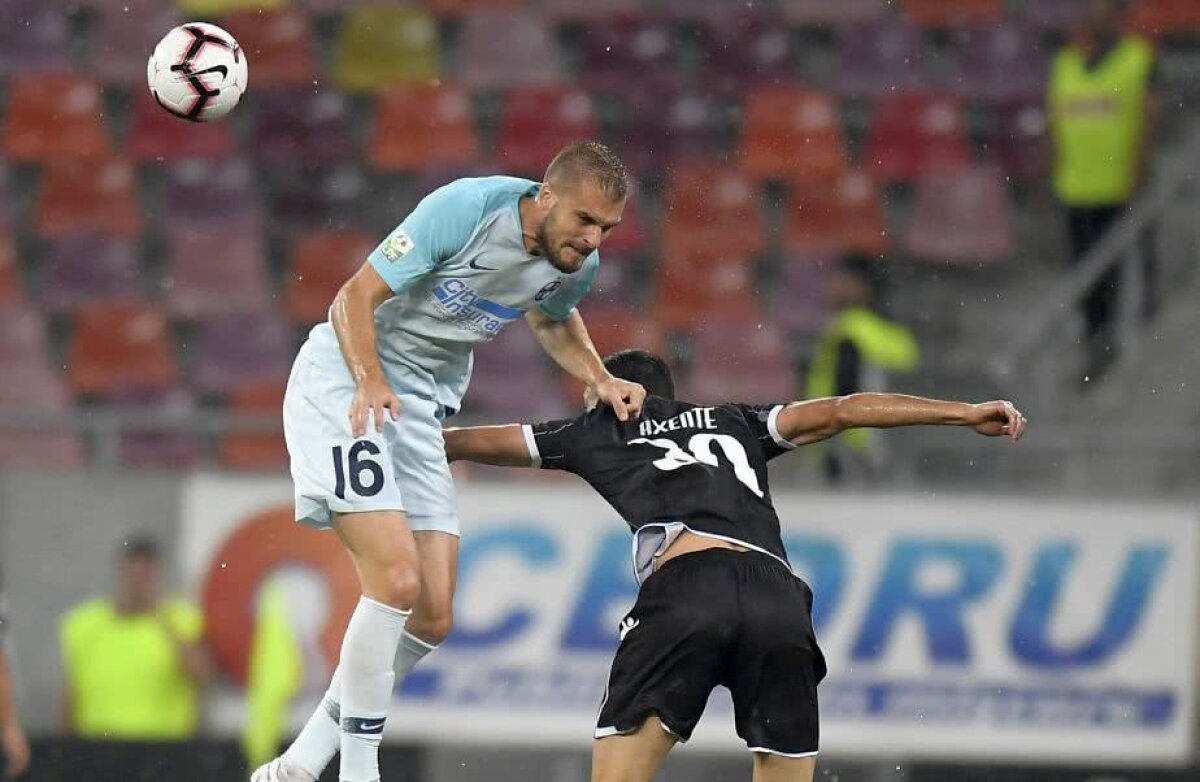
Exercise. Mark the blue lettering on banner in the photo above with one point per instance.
(821, 563)
(610, 581)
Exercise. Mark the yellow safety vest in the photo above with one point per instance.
(1098, 120)
(880, 342)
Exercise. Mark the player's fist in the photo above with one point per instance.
(374, 397)
(997, 419)
(623, 396)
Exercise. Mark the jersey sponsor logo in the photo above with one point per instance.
(627, 625)
(396, 246)
(461, 304)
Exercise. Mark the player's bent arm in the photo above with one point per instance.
(503, 446)
(802, 423)
(353, 318)
(568, 343)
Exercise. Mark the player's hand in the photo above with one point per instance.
(623, 396)
(374, 395)
(997, 419)
(16, 750)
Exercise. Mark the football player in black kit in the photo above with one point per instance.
(718, 603)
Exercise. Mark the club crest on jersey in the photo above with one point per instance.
(627, 625)
(397, 246)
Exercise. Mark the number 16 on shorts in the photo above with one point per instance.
(362, 466)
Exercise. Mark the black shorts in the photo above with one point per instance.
(717, 616)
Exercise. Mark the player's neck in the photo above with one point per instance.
(531, 223)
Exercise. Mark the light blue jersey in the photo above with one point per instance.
(460, 272)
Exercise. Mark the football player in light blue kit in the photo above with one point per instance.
(369, 390)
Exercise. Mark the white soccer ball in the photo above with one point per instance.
(197, 72)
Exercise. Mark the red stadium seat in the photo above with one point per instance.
(824, 12)
(1021, 144)
(53, 117)
(792, 132)
(712, 206)
(321, 262)
(155, 135)
(740, 359)
(120, 347)
(254, 450)
(216, 273)
(303, 127)
(630, 51)
(692, 287)
(10, 282)
(962, 216)
(508, 49)
(84, 268)
(539, 121)
(1165, 17)
(954, 13)
(279, 43)
(88, 196)
(742, 48)
(420, 126)
(916, 133)
(843, 216)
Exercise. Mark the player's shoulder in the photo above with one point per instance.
(491, 193)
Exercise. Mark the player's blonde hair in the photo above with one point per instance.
(592, 161)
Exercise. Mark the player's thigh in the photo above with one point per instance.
(384, 553)
(418, 453)
(432, 615)
(632, 757)
(776, 768)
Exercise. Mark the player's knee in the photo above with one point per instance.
(432, 627)
(398, 586)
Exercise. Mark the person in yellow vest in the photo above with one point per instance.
(14, 747)
(1101, 108)
(134, 665)
(855, 352)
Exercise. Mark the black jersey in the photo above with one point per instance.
(680, 465)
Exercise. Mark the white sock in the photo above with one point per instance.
(368, 652)
(411, 651)
(321, 736)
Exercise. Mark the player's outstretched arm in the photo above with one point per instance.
(818, 419)
(503, 446)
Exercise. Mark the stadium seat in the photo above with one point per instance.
(53, 117)
(127, 32)
(1054, 14)
(11, 291)
(711, 206)
(961, 216)
(96, 196)
(321, 262)
(155, 135)
(303, 127)
(630, 235)
(740, 360)
(614, 284)
(801, 304)
(83, 268)
(740, 50)
(321, 197)
(221, 7)
(916, 133)
(629, 51)
(591, 11)
(661, 128)
(614, 327)
(420, 126)
(823, 12)
(215, 273)
(200, 196)
(881, 58)
(236, 350)
(508, 49)
(120, 347)
(1021, 144)
(256, 450)
(954, 13)
(691, 287)
(279, 44)
(23, 340)
(457, 8)
(538, 121)
(844, 216)
(34, 36)
(6, 198)
(40, 393)
(792, 132)
(512, 380)
(378, 47)
(163, 450)
(999, 62)
(1154, 18)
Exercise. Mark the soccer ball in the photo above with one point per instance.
(197, 72)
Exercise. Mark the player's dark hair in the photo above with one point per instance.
(593, 161)
(642, 366)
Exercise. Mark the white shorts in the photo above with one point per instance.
(404, 468)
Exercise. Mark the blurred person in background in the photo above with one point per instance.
(1102, 109)
(14, 747)
(134, 664)
(855, 352)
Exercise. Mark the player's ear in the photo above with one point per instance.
(546, 197)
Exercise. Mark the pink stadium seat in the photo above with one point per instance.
(256, 450)
(423, 126)
(881, 58)
(630, 51)
(961, 216)
(321, 197)
(235, 351)
(158, 450)
(23, 339)
(823, 12)
(802, 301)
(709, 205)
(590, 11)
(463, 7)
(34, 36)
(127, 33)
(999, 62)
(661, 128)
(538, 121)
(512, 380)
(96, 196)
(84, 268)
(6, 198)
(1020, 143)
(204, 197)
(321, 262)
(916, 133)
(120, 347)
(40, 392)
(215, 273)
(279, 43)
(303, 127)
(53, 117)
(1054, 14)
(508, 49)
(843, 216)
(155, 135)
(954, 13)
(740, 360)
(740, 50)
(792, 132)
